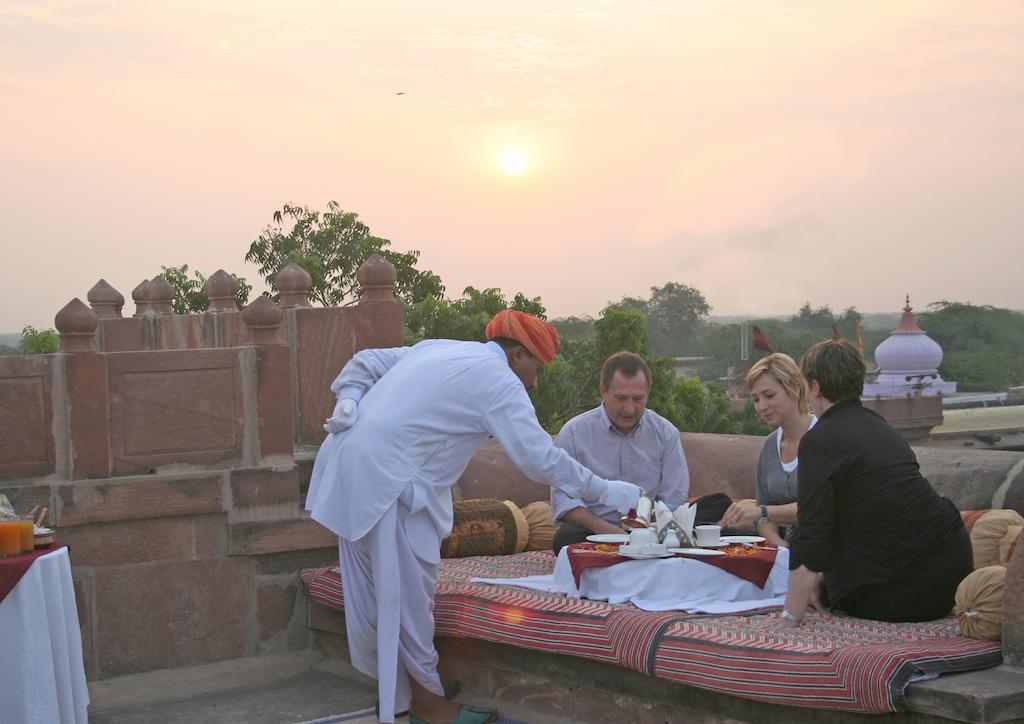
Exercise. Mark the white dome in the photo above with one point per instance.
(908, 350)
(913, 354)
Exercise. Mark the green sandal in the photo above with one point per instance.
(467, 715)
(451, 689)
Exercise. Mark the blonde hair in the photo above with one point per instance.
(783, 368)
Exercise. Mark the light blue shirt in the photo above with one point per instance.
(423, 412)
(650, 455)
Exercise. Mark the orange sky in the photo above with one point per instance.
(766, 153)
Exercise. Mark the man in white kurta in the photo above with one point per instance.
(383, 485)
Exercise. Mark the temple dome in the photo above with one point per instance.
(908, 350)
(908, 362)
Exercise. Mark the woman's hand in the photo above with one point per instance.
(741, 514)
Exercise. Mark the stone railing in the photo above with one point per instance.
(164, 447)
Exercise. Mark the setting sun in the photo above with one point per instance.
(514, 163)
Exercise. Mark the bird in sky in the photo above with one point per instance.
(400, 93)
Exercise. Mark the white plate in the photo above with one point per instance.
(697, 551)
(645, 556)
(731, 539)
(608, 537)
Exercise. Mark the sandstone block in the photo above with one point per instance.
(130, 541)
(169, 615)
(278, 536)
(275, 607)
(151, 496)
(26, 414)
(177, 407)
(210, 535)
(264, 486)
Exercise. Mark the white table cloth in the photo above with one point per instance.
(663, 584)
(42, 678)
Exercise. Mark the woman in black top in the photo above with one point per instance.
(890, 548)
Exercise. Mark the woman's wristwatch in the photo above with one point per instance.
(787, 616)
(764, 516)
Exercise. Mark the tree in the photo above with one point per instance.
(38, 341)
(574, 329)
(700, 407)
(331, 246)
(983, 345)
(674, 317)
(435, 317)
(189, 295)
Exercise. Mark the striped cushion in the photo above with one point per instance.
(833, 662)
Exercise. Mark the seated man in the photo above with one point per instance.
(623, 440)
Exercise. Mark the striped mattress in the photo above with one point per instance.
(832, 661)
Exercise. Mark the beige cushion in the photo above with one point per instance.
(1010, 543)
(542, 526)
(522, 526)
(979, 603)
(991, 532)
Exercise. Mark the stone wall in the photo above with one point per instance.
(163, 446)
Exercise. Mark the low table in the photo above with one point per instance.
(42, 677)
(664, 584)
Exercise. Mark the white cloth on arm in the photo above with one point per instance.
(424, 411)
(343, 417)
(650, 456)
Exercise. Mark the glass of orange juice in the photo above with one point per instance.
(10, 537)
(28, 533)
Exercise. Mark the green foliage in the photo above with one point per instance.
(570, 383)
(189, 295)
(575, 329)
(748, 422)
(674, 318)
(983, 345)
(38, 341)
(435, 317)
(720, 343)
(700, 407)
(331, 246)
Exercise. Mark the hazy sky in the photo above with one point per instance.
(842, 153)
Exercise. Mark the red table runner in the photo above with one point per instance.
(752, 564)
(13, 568)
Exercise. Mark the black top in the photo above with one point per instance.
(865, 511)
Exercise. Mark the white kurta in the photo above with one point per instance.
(424, 411)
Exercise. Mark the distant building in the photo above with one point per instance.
(908, 361)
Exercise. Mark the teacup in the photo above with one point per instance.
(709, 535)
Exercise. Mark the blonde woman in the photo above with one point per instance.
(777, 391)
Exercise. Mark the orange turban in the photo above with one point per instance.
(532, 332)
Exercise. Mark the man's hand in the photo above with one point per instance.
(343, 418)
(620, 495)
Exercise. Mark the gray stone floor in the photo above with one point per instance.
(280, 689)
(304, 697)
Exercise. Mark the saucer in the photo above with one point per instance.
(608, 537)
(653, 551)
(720, 544)
(733, 539)
(645, 556)
(697, 551)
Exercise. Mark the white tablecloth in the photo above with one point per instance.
(42, 679)
(664, 584)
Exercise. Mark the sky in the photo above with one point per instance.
(767, 153)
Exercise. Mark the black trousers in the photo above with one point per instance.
(924, 593)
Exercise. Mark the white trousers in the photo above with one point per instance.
(389, 606)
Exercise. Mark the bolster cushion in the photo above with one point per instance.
(482, 527)
(992, 535)
(979, 603)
